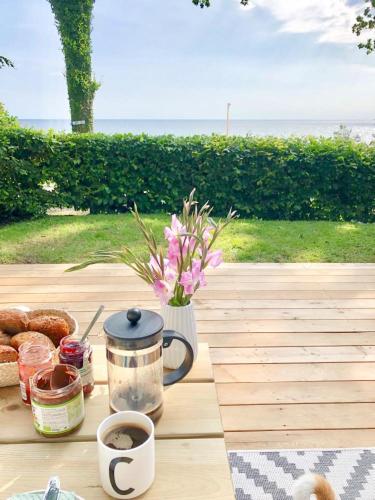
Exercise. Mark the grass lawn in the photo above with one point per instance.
(71, 238)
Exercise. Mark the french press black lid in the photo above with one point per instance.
(134, 329)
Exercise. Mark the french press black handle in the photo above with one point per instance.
(179, 373)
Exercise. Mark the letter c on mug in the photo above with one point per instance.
(112, 468)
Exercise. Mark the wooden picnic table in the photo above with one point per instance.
(191, 459)
(292, 345)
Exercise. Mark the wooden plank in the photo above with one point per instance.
(201, 371)
(237, 315)
(89, 306)
(267, 326)
(273, 326)
(268, 440)
(212, 279)
(257, 355)
(190, 410)
(298, 416)
(284, 314)
(242, 266)
(226, 269)
(264, 393)
(28, 296)
(258, 326)
(84, 311)
(210, 306)
(294, 372)
(185, 469)
(286, 339)
(140, 286)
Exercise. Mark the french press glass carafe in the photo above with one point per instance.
(135, 342)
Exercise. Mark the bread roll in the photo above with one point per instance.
(32, 337)
(53, 326)
(4, 338)
(13, 321)
(7, 354)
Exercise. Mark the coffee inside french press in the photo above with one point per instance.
(134, 360)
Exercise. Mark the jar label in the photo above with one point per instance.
(23, 390)
(56, 419)
(86, 373)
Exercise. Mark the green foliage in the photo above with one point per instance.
(73, 21)
(4, 61)
(366, 22)
(6, 120)
(21, 159)
(269, 178)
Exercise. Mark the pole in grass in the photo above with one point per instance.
(227, 126)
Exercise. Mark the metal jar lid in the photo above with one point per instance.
(134, 329)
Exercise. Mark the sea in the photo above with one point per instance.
(361, 130)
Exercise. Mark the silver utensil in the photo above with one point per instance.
(53, 489)
(92, 323)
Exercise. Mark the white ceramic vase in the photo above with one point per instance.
(182, 320)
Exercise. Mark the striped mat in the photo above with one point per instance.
(269, 475)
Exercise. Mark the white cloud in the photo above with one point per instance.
(363, 68)
(332, 20)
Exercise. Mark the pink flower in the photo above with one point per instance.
(198, 273)
(193, 279)
(214, 259)
(173, 235)
(163, 290)
(192, 242)
(177, 246)
(176, 228)
(169, 273)
(202, 279)
(157, 268)
(173, 252)
(207, 233)
(187, 282)
(154, 264)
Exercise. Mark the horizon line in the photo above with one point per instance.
(210, 119)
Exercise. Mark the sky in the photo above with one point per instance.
(168, 59)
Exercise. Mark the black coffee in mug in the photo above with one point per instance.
(125, 437)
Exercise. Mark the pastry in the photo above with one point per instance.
(13, 321)
(4, 338)
(7, 354)
(53, 326)
(32, 337)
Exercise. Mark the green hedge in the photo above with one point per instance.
(270, 178)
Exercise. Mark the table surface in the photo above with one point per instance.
(191, 459)
(292, 345)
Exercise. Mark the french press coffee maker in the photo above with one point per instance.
(135, 343)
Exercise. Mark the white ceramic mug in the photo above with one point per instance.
(126, 473)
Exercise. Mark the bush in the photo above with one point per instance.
(270, 178)
(6, 120)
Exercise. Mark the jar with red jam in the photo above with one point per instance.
(31, 358)
(79, 354)
(57, 400)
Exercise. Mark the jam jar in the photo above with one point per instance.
(57, 400)
(79, 354)
(32, 358)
